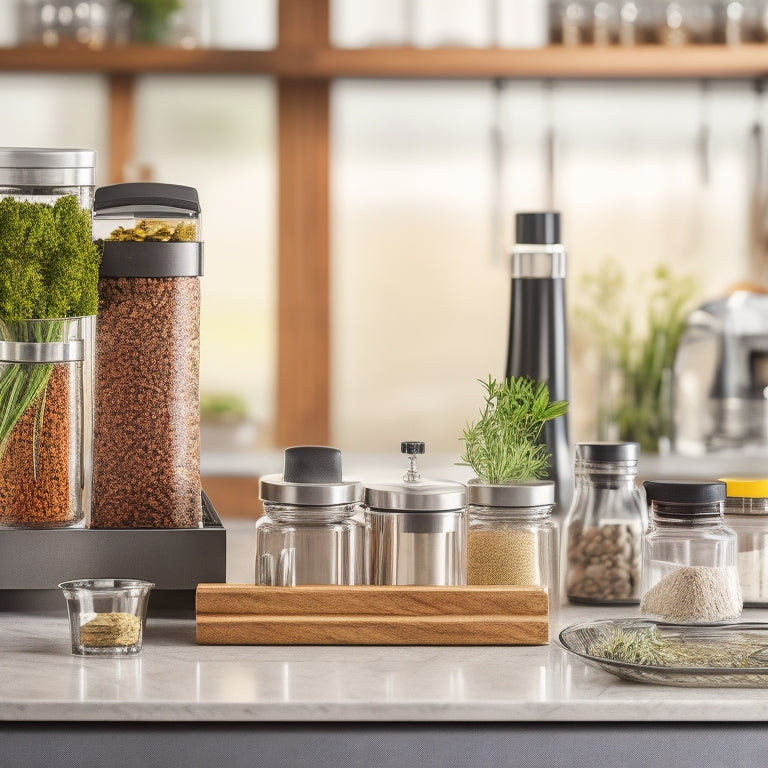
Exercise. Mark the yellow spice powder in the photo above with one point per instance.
(110, 630)
(503, 557)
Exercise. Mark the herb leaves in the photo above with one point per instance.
(503, 444)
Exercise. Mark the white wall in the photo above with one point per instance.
(422, 214)
(421, 290)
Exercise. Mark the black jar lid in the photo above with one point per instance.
(607, 451)
(311, 477)
(684, 491)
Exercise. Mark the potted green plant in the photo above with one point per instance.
(511, 538)
(48, 296)
(152, 19)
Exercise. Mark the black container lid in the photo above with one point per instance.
(684, 491)
(311, 477)
(607, 451)
(312, 464)
(538, 228)
(144, 194)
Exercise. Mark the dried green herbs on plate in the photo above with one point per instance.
(724, 655)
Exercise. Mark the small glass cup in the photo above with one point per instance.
(106, 616)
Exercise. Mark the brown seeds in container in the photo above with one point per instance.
(34, 468)
(603, 563)
(146, 466)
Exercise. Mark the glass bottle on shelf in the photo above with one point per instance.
(575, 22)
(604, 23)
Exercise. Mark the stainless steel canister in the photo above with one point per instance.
(415, 530)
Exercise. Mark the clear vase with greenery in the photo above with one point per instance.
(48, 300)
(634, 383)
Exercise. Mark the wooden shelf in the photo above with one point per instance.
(644, 62)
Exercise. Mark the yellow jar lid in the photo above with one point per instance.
(748, 488)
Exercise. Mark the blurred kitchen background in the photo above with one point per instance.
(660, 182)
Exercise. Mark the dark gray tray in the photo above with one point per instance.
(34, 562)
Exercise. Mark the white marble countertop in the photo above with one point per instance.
(178, 680)
(175, 679)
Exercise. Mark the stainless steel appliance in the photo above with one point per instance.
(720, 392)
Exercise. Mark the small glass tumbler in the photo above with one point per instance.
(106, 616)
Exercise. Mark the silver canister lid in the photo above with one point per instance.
(415, 494)
(27, 166)
(535, 493)
(311, 478)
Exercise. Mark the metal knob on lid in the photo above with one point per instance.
(415, 494)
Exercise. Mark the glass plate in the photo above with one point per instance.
(580, 638)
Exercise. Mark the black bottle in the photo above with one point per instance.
(538, 337)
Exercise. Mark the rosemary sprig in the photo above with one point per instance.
(503, 444)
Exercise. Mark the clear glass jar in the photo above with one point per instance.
(746, 511)
(689, 566)
(310, 532)
(146, 465)
(511, 537)
(605, 525)
(45, 457)
(46, 363)
(415, 529)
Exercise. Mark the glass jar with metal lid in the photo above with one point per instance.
(47, 320)
(689, 573)
(41, 175)
(415, 529)
(310, 532)
(511, 537)
(746, 511)
(605, 526)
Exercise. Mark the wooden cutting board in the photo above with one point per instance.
(243, 614)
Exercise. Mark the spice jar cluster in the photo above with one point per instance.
(99, 347)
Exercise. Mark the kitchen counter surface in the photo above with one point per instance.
(451, 703)
(176, 679)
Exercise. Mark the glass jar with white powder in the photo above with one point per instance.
(689, 571)
(746, 511)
